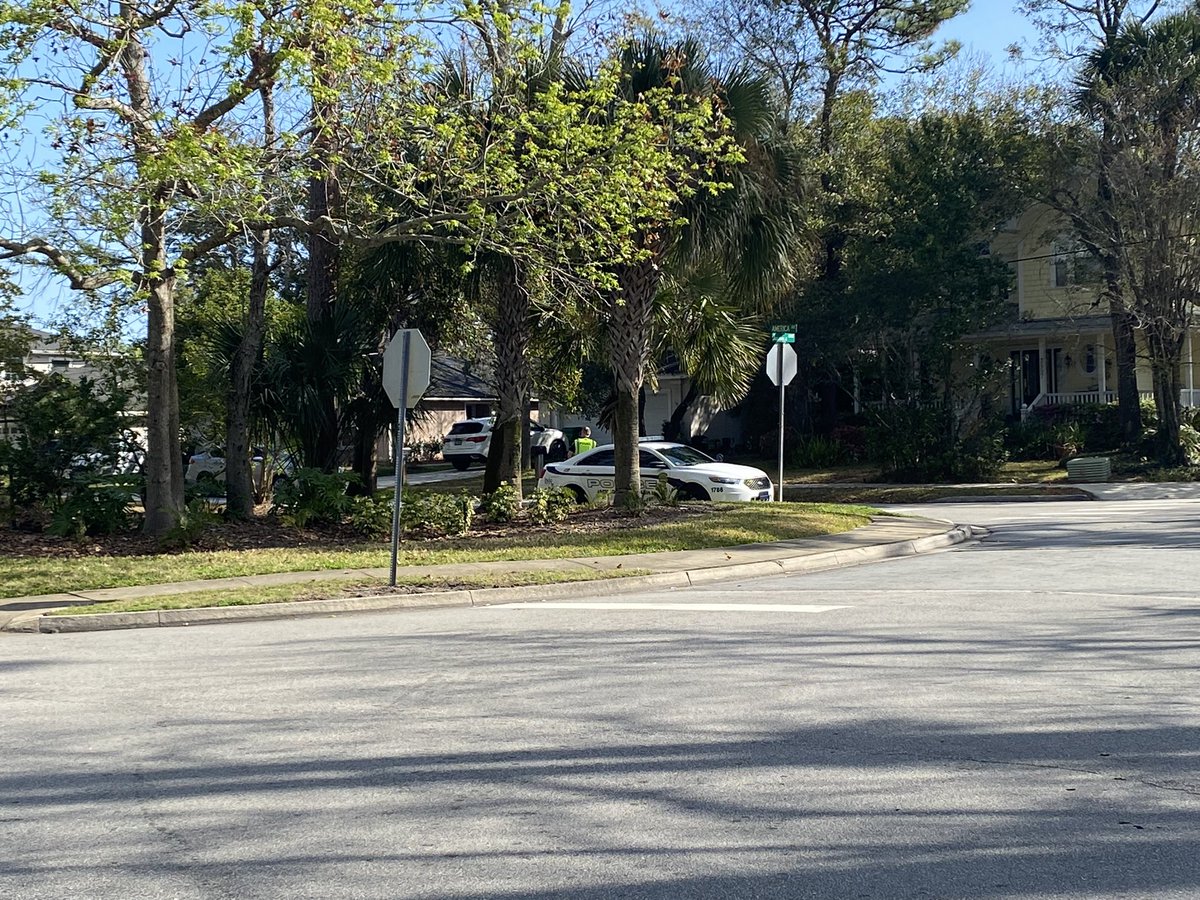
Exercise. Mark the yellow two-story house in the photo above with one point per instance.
(1058, 341)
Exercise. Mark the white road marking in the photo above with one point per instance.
(680, 607)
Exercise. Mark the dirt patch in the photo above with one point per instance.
(268, 532)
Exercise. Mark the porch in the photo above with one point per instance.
(1070, 362)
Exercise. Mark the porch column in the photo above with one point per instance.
(1042, 379)
(1101, 361)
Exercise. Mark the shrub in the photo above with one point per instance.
(95, 506)
(662, 493)
(198, 516)
(926, 443)
(501, 505)
(438, 514)
(852, 439)
(1030, 440)
(311, 496)
(1068, 440)
(371, 516)
(551, 505)
(64, 431)
(814, 453)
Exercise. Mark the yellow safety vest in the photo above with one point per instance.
(583, 445)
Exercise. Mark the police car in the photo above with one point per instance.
(693, 474)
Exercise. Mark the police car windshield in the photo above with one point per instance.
(684, 456)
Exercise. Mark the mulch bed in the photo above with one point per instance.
(267, 532)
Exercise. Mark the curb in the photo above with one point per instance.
(210, 615)
(1081, 497)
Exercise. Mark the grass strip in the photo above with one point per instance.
(337, 588)
(725, 525)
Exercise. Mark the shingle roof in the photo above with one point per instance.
(454, 378)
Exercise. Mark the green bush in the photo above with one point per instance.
(662, 494)
(371, 516)
(501, 505)
(438, 514)
(549, 506)
(64, 433)
(815, 453)
(198, 516)
(926, 443)
(95, 506)
(1030, 440)
(311, 497)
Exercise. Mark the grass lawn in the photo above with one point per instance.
(347, 587)
(691, 527)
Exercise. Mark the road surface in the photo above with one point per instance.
(1013, 719)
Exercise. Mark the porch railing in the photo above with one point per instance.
(1187, 399)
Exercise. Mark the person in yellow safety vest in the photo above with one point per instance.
(584, 442)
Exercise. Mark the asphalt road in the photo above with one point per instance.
(1014, 719)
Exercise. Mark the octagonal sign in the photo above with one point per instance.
(396, 361)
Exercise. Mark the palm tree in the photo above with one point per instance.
(747, 230)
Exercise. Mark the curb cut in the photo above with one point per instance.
(482, 597)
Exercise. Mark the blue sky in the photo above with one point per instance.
(988, 27)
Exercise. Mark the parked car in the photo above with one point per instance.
(208, 466)
(469, 441)
(693, 474)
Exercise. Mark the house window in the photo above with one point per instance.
(1089, 360)
(60, 365)
(1060, 266)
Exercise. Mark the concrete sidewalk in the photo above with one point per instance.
(886, 537)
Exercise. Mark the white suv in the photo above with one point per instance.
(691, 473)
(470, 440)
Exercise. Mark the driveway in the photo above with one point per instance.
(1014, 719)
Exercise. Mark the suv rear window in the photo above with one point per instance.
(466, 428)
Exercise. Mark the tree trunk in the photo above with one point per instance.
(240, 491)
(164, 461)
(1129, 403)
(628, 485)
(674, 429)
(630, 315)
(511, 334)
(324, 261)
(366, 446)
(1165, 358)
(239, 476)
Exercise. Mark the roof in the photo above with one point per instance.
(1065, 326)
(454, 378)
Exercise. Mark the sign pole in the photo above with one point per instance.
(398, 499)
(782, 388)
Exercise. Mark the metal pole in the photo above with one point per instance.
(779, 372)
(398, 499)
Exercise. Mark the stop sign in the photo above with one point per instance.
(415, 362)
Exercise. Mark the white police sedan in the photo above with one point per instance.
(694, 475)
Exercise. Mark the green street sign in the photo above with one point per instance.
(783, 334)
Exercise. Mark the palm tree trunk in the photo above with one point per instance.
(630, 314)
(511, 334)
